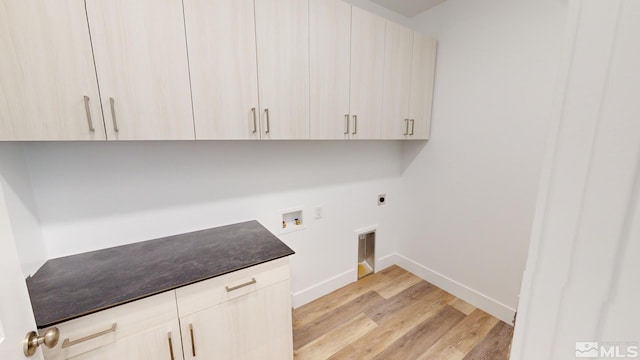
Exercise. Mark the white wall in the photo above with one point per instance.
(15, 181)
(97, 195)
(381, 11)
(472, 187)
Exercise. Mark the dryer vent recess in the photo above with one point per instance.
(382, 199)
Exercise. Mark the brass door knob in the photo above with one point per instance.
(32, 340)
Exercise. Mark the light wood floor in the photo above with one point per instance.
(393, 314)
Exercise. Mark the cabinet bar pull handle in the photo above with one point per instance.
(193, 343)
(66, 343)
(171, 346)
(88, 110)
(413, 125)
(255, 125)
(406, 130)
(346, 120)
(113, 114)
(230, 289)
(268, 129)
(355, 124)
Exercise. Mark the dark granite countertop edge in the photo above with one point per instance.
(157, 292)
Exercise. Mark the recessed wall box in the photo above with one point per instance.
(292, 220)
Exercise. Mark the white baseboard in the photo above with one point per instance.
(311, 293)
(473, 297)
(323, 288)
(385, 261)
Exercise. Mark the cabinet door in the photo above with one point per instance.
(422, 81)
(330, 59)
(137, 330)
(141, 60)
(282, 32)
(222, 59)
(253, 326)
(160, 343)
(397, 82)
(367, 66)
(46, 70)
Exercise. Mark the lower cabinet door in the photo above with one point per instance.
(253, 326)
(160, 343)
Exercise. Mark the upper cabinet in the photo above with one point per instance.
(330, 59)
(48, 87)
(141, 61)
(423, 69)
(397, 81)
(282, 35)
(222, 58)
(210, 69)
(375, 84)
(367, 74)
(408, 83)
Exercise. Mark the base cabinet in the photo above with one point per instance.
(253, 326)
(238, 316)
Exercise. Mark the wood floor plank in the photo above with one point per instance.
(346, 353)
(449, 353)
(333, 341)
(421, 290)
(398, 284)
(465, 335)
(462, 305)
(316, 309)
(494, 346)
(377, 340)
(392, 328)
(303, 335)
(415, 342)
(417, 320)
(393, 271)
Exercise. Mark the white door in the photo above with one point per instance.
(141, 60)
(330, 51)
(16, 315)
(397, 82)
(367, 68)
(224, 76)
(282, 33)
(580, 291)
(46, 71)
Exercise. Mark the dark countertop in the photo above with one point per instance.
(73, 286)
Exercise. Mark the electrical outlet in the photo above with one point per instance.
(382, 199)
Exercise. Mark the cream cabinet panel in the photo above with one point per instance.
(330, 59)
(138, 330)
(160, 343)
(222, 56)
(282, 32)
(46, 71)
(422, 81)
(397, 82)
(367, 69)
(256, 326)
(205, 294)
(141, 60)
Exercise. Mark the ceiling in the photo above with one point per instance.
(408, 8)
